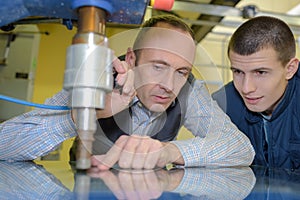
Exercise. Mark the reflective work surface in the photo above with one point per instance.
(58, 180)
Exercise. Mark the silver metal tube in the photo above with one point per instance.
(88, 77)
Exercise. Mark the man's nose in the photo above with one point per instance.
(248, 84)
(167, 81)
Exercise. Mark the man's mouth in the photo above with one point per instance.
(161, 99)
(252, 100)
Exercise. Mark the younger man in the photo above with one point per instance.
(263, 98)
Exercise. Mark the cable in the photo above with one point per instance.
(18, 101)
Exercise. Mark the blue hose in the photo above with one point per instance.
(18, 101)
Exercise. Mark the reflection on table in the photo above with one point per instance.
(27, 180)
(275, 184)
(51, 180)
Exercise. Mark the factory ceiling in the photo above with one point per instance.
(205, 15)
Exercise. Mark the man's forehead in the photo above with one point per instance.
(170, 40)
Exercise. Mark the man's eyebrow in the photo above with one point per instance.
(253, 70)
(185, 68)
(262, 69)
(160, 62)
(167, 64)
(233, 68)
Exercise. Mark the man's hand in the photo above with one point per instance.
(120, 97)
(138, 152)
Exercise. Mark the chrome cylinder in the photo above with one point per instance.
(88, 77)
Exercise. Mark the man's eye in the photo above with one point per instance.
(261, 72)
(183, 72)
(235, 71)
(158, 67)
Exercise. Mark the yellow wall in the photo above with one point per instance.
(51, 60)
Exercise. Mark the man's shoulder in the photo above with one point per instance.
(60, 98)
(227, 93)
(229, 100)
(226, 89)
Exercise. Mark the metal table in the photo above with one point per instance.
(60, 180)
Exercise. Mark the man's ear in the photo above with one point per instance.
(292, 68)
(130, 58)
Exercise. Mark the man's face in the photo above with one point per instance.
(159, 77)
(164, 62)
(260, 78)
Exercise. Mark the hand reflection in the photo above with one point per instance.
(138, 184)
(210, 183)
